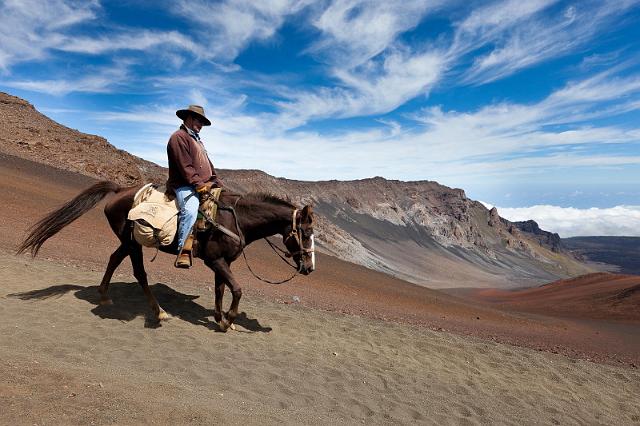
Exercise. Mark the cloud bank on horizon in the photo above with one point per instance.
(573, 222)
(520, 103)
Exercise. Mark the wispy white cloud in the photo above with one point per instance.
(128, 40)
(377, 89)
(375, 74)
(34, 30)
(53, 14)
(30, 27)
(355, 31)
(500, 129)
(504, 139)
(572, 222)
(227, 27)
(520, 35)
(499, 15)
(94, 81)
(603, 86)
(489, 24)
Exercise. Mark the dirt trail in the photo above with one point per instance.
(67, 360)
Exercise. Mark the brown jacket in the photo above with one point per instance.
(188, 161)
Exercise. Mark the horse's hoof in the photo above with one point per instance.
(233, 327)
(224, 325)
(106, 302)
(163, 316)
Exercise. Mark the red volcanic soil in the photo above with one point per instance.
(30, 190)
(601, 296)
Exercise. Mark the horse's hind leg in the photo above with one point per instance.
(114, 261)
(141, 276)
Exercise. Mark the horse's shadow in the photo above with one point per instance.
(129, 303)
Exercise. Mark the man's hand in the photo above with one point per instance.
(204, 188)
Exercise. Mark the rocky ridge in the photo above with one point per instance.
(26, 133)
(361, 221)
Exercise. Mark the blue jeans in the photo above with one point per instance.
(188, 203)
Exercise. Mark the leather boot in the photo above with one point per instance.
(184, 259)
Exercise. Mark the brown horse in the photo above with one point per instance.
(256, 216)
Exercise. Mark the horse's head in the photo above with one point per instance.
(299, 240)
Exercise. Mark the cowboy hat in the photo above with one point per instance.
(193, 109)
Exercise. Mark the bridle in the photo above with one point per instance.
(297, 234)
(294, 233)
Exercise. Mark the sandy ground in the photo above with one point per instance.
(67, 360)
(359, 346)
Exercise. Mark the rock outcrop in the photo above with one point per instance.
(547, 239)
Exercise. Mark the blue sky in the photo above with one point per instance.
(520, 103)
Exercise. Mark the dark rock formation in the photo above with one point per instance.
(546, 239)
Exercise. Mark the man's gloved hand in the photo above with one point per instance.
(204, 188)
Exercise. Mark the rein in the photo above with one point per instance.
(296, 272)
(274, 247)
(275, 250)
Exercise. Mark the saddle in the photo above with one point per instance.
(155, 215)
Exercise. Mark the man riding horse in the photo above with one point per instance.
(191, 173)
(248, 218)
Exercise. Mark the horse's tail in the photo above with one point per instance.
(52, 223)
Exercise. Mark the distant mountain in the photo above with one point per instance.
(423, 232)
(621, 253)
(420, 231)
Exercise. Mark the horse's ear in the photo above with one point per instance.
(307, 214)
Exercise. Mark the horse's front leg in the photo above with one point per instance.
(224, 276)
(236, 291)
(219, 291)
(222, 273)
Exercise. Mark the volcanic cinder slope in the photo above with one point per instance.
(600, 295)
(30, 189)
(422, 232)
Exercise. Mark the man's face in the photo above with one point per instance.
(193, 122)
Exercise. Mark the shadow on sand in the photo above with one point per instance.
(129, 302)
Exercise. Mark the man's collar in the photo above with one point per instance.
(192, 133)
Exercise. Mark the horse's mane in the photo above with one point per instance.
(264, 197)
